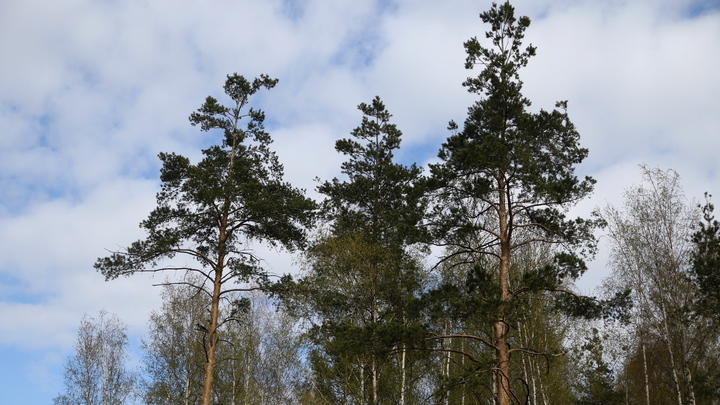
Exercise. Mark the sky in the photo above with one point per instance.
(92, 90)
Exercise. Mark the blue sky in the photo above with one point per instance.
(91, 91)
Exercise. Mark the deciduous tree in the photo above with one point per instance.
(258, 356)
(650, 253)
(174, 355)
(97, 373)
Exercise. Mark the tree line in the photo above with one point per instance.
(373, 317)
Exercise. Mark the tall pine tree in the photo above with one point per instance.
(363, 270)
(207, 212)
(706, 261)
(506, 180)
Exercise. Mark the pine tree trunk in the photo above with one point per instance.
(211, 341)
(212, 338)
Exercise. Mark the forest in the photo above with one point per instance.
(451, 284)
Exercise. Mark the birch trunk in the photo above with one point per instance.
(403, 383)
(673, 364)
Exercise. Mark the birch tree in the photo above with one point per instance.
(97, 373)
(173, 348)
(651, 251)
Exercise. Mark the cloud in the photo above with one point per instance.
(95, 89)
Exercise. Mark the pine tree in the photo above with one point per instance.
(362, 270)
(506, 180)
(207, 212)
(706, 261)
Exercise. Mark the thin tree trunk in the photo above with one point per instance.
(536, 384)
(403, 383)
(526, 374)
(373, 364)
(529, 376)
(374, 381)
(462, 362)
(187, 387)
(524, 363)
(691, 388)
(538, 372)
(362, 382)
(104, 381)
(686, 371)
(647, 379)
(246, 379)
(500, 329)
(673, 364)
(445, 365)
(233, 399)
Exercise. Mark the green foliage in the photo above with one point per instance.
(508, 159)
(706, 261)
(381, 199)
(362, 272)
(501, 304)
(533, 154)
(461, 310)
(234, 194)
(596, 385)
(616, 308)
(208, 212)
(505, 182)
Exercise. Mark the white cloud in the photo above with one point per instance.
(96, 89)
